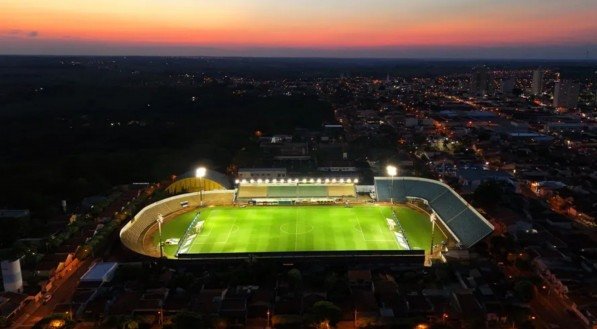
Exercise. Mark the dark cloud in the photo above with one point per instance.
(72, 46)
(20, 33)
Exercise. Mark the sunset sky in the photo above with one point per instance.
(326, 28)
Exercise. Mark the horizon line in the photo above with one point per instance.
(422, 58)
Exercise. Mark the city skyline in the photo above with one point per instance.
(384, 29)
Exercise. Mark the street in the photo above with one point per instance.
(62, 293)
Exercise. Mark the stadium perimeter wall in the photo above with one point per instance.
(415, 258)
(133, 232)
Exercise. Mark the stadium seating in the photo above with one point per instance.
(312, 191)
(456, 214)
(337, 191)
(283, 191)
(295, 191)
(132, 233)
(252, 191)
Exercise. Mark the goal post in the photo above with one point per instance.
(199, 227)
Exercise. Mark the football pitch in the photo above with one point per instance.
(297, 229)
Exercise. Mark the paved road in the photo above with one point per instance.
(62, 293)
(550, 310)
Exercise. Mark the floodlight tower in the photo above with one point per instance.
(200, 173)
(433, 219)
(160, 221)
(392, 171)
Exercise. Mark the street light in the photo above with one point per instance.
(160, 221)
(268, 318)
(392, 171)
(200, 173)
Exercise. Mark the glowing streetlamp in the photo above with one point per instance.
(268, 318)
(392, 171)
(200, 173)
(160, 221)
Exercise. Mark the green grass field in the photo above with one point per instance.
(297, 228)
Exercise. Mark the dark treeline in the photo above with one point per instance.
(71, 133)
(32, 67)
(75, 126)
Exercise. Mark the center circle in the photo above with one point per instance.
(295, 230)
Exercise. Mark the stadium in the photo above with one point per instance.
(397, 219)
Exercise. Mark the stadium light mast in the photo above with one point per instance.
(160, 220)
(433, 219)
(392, 171)
(200, 173)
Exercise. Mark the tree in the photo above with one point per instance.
(187, 319)
(130, 324)
(295, 278)
(323, 311)
(488, 194)
(55, 321)
(524, 290)
(4, 322)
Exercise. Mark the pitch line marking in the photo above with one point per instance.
(284, 229)
(296, 227)
(360, 226)
(231, 228)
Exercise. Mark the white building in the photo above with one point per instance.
(12, 276)
(261, 173)
(480, 82)
(537, 86)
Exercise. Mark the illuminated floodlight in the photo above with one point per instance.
(296, 180)
(356, 180)
(391, 170)
(333, 180)
(259, 181)
(327, 180)
(341, 180)
(349, 180)
(244, 181)
(311, 180)
(252, 181)
(267, 181)
(200, 172)
(236, 181)
(318, 180)
(274, 181)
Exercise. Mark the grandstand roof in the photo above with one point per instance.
(460, 218)
(213, 175)
(188, 182)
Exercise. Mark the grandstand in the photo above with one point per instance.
(463, 222)
(224, 223)
(133, 234)
(294, 191)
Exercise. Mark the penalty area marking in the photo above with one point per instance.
(233, 229)
(358, 227)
